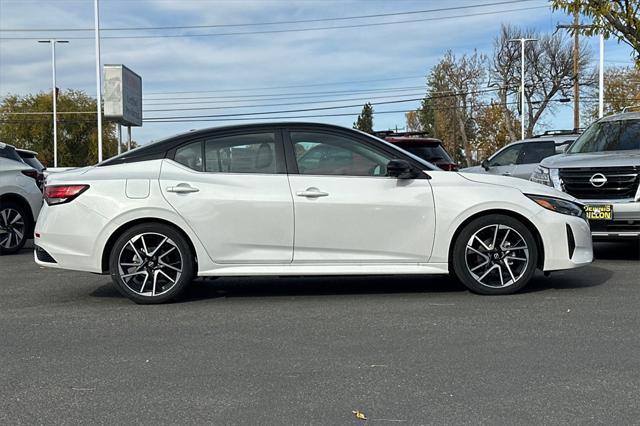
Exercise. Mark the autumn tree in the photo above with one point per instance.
(621, 89)
(365, 119)
(413, 121)
(492, 128)
(617, 18)
(453, 92)
(26, 122)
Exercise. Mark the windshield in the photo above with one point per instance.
(620, 135)
(433, 153)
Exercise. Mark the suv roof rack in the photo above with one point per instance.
(560, 132)
(391, 133)
(630, 107)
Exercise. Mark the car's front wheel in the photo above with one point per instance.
(151, 263)
(14, 227)
(495, 254)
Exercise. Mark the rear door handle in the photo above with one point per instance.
(506, 174)
(312, 193)
(182, 188)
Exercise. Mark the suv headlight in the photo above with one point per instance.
(559, 205)
(546, 176)
(541, 175)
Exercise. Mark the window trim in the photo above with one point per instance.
(292, 163)
(202, 139)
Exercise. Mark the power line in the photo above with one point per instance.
(247, 89)
(337, 27)
(255, 24)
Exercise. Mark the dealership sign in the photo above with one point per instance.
(122, 95)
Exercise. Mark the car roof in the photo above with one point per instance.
(26, 152)
(621, 116)
(155, 148)
(409, 139)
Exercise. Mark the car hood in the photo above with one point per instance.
(474, 169)
(594, 159)
(524, 186)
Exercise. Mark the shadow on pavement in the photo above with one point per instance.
(617, 250)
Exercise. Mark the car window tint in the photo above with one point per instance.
(190, 155)
(507, 156)
(10, 153)
(249, 153)
(535, 152)
(320, 153)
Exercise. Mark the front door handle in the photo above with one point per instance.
(182, 188)
(312, 193)
(506, 174)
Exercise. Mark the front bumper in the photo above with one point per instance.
(625, 223)
(567, 243)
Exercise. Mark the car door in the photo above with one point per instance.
(531, 154)
(234, 193)
(504, 161)
(347, 209)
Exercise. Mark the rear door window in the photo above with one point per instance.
(535, 152)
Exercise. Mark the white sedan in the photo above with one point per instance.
(299, 199)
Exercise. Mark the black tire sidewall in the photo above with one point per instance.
(28, 226)
(188, 263)
(459, 261)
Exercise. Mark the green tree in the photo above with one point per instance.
(618, 18)
(77, 132)
(365, 119)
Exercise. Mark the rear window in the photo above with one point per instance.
(620, 135)
(33, 162)
(431, 153)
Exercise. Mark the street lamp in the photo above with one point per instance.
(522, 41)
(53, 42)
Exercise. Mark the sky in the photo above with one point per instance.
(222, 72)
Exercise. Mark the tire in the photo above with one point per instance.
(15, 226)
(485, 267)
(151, 263)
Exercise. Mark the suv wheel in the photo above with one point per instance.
(151, 263)
(14, 226)
(495, 254)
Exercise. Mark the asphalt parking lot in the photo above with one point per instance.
(402, 350)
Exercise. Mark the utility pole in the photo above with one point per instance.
(576, 71)
(54, 96)
(576, 64)
(522, 41)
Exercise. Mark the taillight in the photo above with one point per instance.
(60, 194)
(33, 174)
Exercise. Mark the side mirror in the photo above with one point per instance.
(400, 169)
(485, 164)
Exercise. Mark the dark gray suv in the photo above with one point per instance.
(602, 169)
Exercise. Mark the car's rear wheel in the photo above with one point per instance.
(14, 227)
(495, 254)
(151, 263)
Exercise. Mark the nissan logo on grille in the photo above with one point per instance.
(598, 180)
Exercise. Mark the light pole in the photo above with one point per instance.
(522, 41)
(54, 95)
(96, 14)
(601, 79)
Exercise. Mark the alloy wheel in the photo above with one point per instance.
(497, 256)
(12, 228)
(150, 264)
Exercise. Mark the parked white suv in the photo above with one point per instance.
(519, 159)
(20, 200)
(602, 170)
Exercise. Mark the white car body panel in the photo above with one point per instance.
(13, 182)
(358, 220)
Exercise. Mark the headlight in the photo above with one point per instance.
(545, 176)
(559, 206)
(541, 175)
